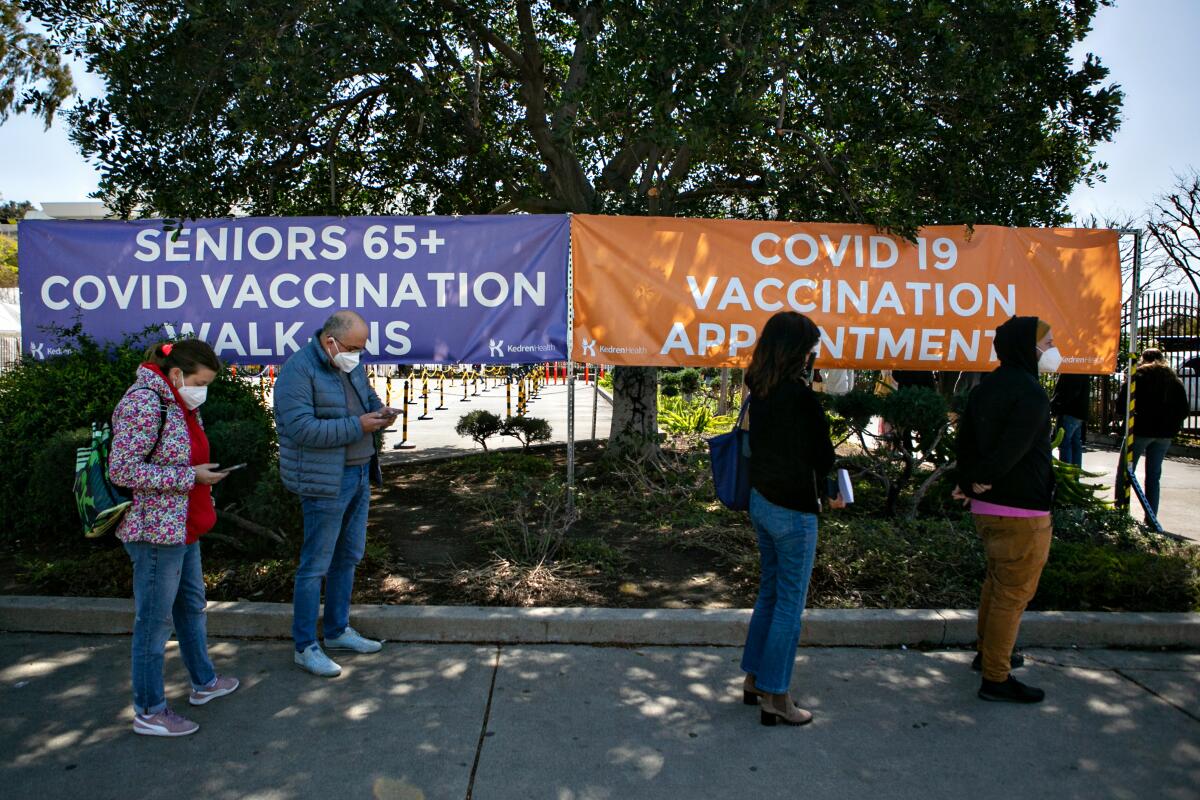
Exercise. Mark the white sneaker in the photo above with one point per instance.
(315, 661)
(352, 640)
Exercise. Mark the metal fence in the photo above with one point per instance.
(10, 351)
(1169, 321)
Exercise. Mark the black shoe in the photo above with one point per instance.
(1010, 691)
(1016, 662)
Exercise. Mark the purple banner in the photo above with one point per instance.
(433, 289)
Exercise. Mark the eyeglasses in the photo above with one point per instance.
(347, 347)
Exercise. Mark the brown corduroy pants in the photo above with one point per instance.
(1017, 548)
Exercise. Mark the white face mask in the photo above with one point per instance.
(346, 362)
(193, 396)
(1050, 360)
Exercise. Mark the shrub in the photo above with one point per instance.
(668, 382)
(46, 408)
(1085, 577)
(689, 381)
(527, 430)
(479, 425)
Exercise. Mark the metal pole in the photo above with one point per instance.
(570, 379)
(595, 406)
(1131, 361)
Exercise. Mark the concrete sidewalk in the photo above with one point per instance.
(575, 722)
(1180, 496)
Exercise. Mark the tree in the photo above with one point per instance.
(893, 114)
(1174, 229)
(8, 261)
(12, 211)
(32, 74)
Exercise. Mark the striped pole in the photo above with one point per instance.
(441, 406)
(425, 407)
(388, 392)
(508, 398)
(1126, 487)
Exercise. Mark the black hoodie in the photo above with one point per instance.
(1004, 434)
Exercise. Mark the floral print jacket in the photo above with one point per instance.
(159, 480)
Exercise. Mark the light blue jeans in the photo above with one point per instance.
(1155, 450)
(335, 537)
(1071, 449)
(168, 587)
(787, 545)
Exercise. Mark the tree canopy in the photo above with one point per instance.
(897, 113)
(33, 77)
(892, 113)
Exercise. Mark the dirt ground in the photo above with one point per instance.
(434, 534)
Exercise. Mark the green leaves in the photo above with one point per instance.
(893, 114)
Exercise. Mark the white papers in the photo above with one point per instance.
(845, 487)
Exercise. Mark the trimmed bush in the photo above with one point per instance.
(527, 430)
(479, 425)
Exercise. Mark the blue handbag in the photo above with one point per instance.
(730, 455)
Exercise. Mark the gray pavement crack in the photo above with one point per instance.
(1144, 687)
(487, 713)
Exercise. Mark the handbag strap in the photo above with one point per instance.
(742, 421)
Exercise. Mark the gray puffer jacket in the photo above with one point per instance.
(313, 423)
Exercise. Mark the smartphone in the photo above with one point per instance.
(388, 413)
(230, 469)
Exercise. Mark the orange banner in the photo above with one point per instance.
(662, 291)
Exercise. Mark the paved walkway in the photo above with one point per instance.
(436, 437)
(586, 723)
(1179, 505)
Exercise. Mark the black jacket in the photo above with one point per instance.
(1071, 396)
(790, 450)
(1160, 402)
(1004, 434)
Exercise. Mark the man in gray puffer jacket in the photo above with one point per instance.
(326, 415)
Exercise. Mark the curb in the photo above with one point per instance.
(622, 626)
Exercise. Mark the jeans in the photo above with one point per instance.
(1071, 449)
(1155, 450)
(168, 586)
(335, 537)
(1017, 549)
(787, 545)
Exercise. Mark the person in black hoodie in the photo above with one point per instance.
(790, 456)
(1005, 475)
(1070, 404)
(1161, 406)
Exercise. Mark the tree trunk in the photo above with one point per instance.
(723, 399)
(634, 430)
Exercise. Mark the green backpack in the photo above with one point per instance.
(102, 504)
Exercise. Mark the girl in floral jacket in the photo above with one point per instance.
(160, 452)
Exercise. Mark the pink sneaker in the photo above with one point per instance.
(164, 723)
(220, 687)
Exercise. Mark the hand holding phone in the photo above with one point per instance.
(227, 470)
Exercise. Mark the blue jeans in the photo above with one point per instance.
(1071, 449)
(787, 544)
(168, 587)
(1155, 450)
(335, 537)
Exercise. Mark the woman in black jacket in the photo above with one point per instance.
(790, 456)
